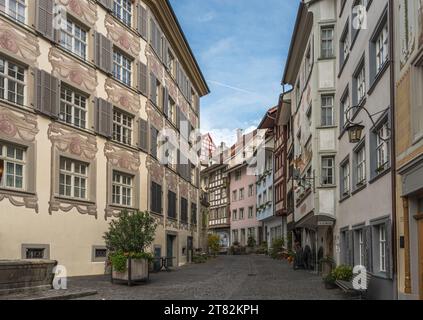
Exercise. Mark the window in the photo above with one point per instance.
(237, 175)
(382, 153)
(99, 254)
(345, 175)
(234, 215)
(327, 111)
(171, 111)
(250, 212)
(12, 167)
(234, 195)
(122, 9)
(360, 155)
(382, 48)
(382, 248)
(171, 205)
(73, 38)
(328, 170)
(184, 210)
(73, 179)
(156, 198)
(241, 194)
(327, 42)
(193, 213)
(251, 190)
(361, 250)
(241, 214)
(122, 67)
(360, 84)
(344, 45)
(260, 200)
(122, 189)
(14, 9)
(12, 82)
(73, 107)
(345, 108)
(171, 63)
(122, 127)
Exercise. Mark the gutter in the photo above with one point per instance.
(393, 149)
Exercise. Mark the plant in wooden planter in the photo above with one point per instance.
(127, 241)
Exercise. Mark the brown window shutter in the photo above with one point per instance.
(44, 18)
(165, 101)
(47, 89)
(103, 118)
(142, 22)
(153, 89)
(143, 79)
(153, 145)
(103, 53)
(107, 4)
(143, 143)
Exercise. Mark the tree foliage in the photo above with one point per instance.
(214, 244)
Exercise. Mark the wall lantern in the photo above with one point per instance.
(355, 130)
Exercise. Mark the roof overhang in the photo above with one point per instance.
(299, 40)
(313, 221)
(165, 15)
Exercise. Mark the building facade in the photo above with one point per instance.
(364, 213)
(311, 72)
(242, 190)
(87, 99)
(271, 223)
(409, 147)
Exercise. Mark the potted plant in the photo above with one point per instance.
(329, 281)
(127, 241)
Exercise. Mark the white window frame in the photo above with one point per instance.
(381, 47)
(71, 34)
(361, 247)
(361, 165)
(122, 67)
(382, 248)
(122, 9)
(16, 162)
(78, 179)
(122, 189)
(326, 169)
(19, 80)
(346, 181)
(123, 125)
(14, 13)
(77, 104)
(345, 102)
(382, 148)
(361, 84)
(327, 109)
(327, 34)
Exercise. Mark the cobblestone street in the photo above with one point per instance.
(224, 278)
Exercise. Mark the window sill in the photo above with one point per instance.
(123, 145)
(344, 197)
(358, 188)
(121, 208)
(325, 127)
(378, 76)
(326, 58)
(16, 192)
(74, 200)
(71, 126)
(380, 175)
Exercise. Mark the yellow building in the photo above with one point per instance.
(409, 147)
(86, 90)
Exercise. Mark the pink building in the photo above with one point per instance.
(242, 193)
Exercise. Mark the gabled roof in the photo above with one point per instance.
(268, 121)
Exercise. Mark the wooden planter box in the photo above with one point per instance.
(26, 275)
(137, 270)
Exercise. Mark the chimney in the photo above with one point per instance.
(239, 133)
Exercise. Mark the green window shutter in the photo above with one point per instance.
(142, 22)
(103, 118)
(143, 79)
(47, 91)
(153, 89)
(153, 147)
(143, 137)
(103, 53)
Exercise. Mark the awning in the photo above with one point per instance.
(313, 221)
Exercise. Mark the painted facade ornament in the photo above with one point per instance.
(72, 142)
(155, 118)
(171, 181)
(21, 126)
(171, 87)
(122, 158)
(75, 73)
(155, 170)
(121, 37)
(86, 11)
(30, 202)
(62, 205)
(154, 65)
(183, 188)
(122, 97)
(21, 45)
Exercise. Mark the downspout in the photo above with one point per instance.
(393, 148)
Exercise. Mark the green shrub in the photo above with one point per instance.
(214, 244)
(251, 243)
(343, 273)
(277, 247)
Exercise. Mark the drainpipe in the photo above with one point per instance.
(393, 148)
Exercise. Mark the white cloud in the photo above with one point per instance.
(218, 48)
(209, 16)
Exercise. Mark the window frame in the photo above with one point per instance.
(73, 176)
(122, 65)
(324, 51)
(7, 79)
(122, 186)
(125, 130)
(7, 10)
(5, 160)
(332, 169)
(74, 39)
(325, 108)
(121, 12)
(74, 107)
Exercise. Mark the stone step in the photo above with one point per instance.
(52, 295)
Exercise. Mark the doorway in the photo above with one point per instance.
(170, 241)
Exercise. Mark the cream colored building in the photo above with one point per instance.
(84, 98)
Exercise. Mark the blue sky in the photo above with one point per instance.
(241, 46)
